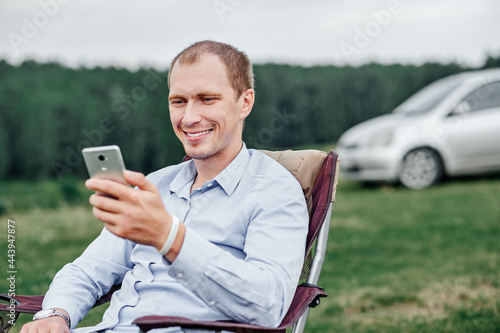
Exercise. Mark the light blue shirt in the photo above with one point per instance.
(240, 260)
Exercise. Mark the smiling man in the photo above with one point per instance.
(219, 237)
(207, 111)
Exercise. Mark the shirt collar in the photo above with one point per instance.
(181, 184)
(228, 179)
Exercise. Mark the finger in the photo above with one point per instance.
(138, 179)
(111, 225)
(104, 216)
(105, 203)
(107, 186)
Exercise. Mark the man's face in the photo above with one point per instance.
(205, 114)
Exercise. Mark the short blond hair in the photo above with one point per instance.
(238, 66)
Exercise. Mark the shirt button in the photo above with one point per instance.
(180, 275)
(212, 303)
(209, 184)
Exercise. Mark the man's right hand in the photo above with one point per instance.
(54, 324)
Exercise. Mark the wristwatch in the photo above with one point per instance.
(49, 313)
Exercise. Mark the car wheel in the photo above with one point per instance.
(420, 169)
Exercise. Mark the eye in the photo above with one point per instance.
(177, 102)
(208, 100)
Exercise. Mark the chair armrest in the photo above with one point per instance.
(28, 304)
(33, 303)
(305, 295)
(151, 322)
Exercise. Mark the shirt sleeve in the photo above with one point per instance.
(78, 285)
(259, 288)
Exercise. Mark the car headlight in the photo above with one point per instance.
(381, 139)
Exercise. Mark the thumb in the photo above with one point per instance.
(138, 179)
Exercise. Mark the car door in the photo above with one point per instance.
(473, 131)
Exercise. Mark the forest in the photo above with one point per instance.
(49, 113)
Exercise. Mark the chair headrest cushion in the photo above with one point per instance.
(304, 165)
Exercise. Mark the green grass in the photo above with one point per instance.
(22, 195)
(413, 261)
(397, 260)
(46, 239)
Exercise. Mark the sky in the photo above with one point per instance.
(149, 33)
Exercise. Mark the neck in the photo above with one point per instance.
(209, 168)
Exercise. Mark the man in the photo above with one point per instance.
(220, 237)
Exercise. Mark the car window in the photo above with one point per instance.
(484, 97)
(427, 98)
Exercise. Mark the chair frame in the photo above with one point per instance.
(317, 265)
(307, 295)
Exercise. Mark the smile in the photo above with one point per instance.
(197, 134)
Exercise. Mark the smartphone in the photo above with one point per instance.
(105, 162)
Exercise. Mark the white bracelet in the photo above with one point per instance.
(171, 236)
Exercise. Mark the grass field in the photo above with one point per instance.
(406, 261)
(397, 260)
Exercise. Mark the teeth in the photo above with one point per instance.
(194, 135)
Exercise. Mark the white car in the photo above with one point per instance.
(450, 127)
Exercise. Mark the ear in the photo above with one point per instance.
(247, 100)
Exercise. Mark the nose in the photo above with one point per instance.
(191, 115)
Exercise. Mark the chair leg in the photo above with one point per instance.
(316, 266)
(301, 323)
(321, 244)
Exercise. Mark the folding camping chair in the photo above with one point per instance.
(317, 172)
